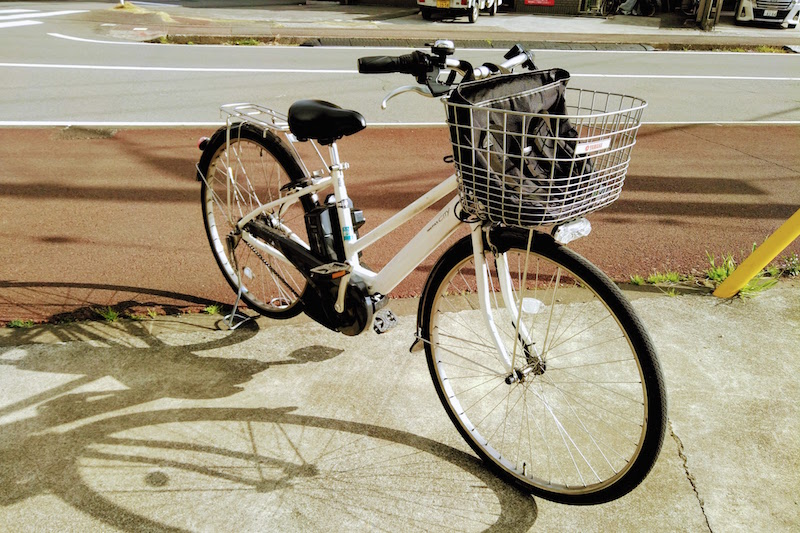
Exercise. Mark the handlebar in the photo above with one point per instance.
(413, 63)
(427, 67)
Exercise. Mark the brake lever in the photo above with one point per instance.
(423, 90)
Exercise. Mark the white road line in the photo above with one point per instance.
(685, 77)
(13, 11)
(135, 68)
(102, 124)
(95, 41)
(40, 14)
(18, 23)
(177, 69)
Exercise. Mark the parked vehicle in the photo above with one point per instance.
(457, 8)
(785, 13)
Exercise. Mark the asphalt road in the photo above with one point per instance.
(69, 67)
(102, 217)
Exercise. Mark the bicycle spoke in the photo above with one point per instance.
(245, 175)
(570, 418)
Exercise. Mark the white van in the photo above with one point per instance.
(783, 12)
(456, 8)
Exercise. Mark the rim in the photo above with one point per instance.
(268, 282)
(576, 423)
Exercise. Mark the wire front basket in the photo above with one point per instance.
(531, 169)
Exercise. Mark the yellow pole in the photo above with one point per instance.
(760, 257)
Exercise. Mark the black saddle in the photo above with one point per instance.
(323, 121)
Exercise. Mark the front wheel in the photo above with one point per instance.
(580, 417)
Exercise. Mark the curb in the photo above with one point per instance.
(372, 42)
(505, 44)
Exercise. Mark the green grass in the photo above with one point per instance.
(245, 42)
(213, 309)
(664, 277)
(108, 314)
(720, 272)
(20, 324)
(658, 278)
(758, 284)
(717, 273)
(766, 49)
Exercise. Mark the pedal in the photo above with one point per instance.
(384, 321)
(332, 270)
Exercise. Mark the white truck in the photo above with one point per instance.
(786, 13)
(457, 8)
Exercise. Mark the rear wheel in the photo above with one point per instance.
(581, 418)
(258, 167)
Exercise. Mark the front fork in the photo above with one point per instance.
(523, 349)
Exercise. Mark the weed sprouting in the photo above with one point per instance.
(108, 313)
(213, 309)
(20, 324)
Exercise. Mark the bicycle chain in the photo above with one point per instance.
(272, 269)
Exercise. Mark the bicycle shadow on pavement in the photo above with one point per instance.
(93, 369)
(239, 468)
(92, 442)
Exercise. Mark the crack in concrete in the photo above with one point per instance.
(689, 476)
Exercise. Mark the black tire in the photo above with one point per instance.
(608, 7)
(261, 165)
(426, 13)
(474, 12)
(493, 10)
(581, 419)
(647, 8)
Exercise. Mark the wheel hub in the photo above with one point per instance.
(536, 367)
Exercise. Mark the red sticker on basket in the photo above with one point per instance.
(585, 148)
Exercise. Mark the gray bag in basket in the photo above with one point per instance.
(516, 169)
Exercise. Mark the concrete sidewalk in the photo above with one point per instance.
(329, 23)
(177, 425)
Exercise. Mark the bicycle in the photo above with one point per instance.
(645, 8)
(537, 357)
(609, 7)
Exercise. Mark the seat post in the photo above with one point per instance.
(342, 204)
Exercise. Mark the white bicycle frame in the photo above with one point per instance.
(435, 232)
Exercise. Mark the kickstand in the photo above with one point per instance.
(236, 319)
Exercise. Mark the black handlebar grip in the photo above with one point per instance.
(404, 64)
